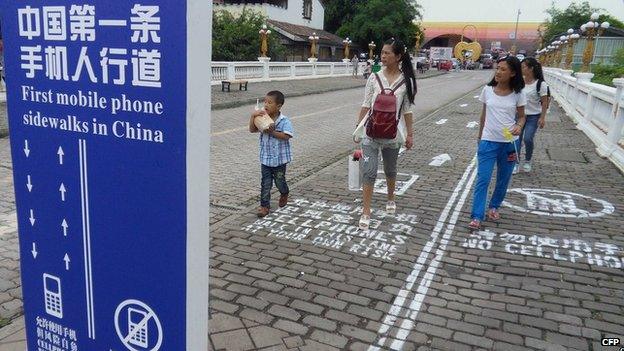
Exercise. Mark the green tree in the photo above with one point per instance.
(379, 20)
(572, 17)
(338, 12)
(236, 38)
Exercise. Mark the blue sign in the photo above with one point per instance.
(109, 123)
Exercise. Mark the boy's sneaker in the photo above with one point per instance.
(390, 207)
(364, 222)
(526, 167)
(516, 169)
(283, 200)
(262, 211)
(475, 224)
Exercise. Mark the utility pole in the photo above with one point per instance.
(515, 42)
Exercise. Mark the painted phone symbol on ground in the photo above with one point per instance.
(557, 203)
(52, 295)
(138, 327)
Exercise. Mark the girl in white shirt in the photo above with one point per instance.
(536, 107)
(397, 74)
(502, 99)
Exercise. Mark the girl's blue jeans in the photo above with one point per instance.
(491, 153)
(528, 135)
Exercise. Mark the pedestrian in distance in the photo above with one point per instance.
(385, 130)
(503, 98)
(275, 152)
(367, 70)
(354, 62)
(537, 95)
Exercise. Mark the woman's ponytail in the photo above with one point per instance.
(409, 76)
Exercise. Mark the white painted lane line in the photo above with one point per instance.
(425, 282)
(399, 301)
(442, 121)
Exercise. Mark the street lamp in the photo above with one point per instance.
(593, 29)
(313, 39)
(264, 46)
(570, 53)
(346, 43)
(371, 47)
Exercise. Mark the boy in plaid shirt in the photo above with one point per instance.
(274, 151)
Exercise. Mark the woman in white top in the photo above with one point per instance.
(536, 92)
(502, 100)
(397, 74)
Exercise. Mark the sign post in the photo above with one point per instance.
(109, 118)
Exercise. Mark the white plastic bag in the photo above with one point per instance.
(264, 121)
(360, 131)
(355, 175)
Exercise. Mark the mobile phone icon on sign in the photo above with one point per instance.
(138, 332)
(52, 295)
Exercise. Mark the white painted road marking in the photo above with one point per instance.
(557, 203)
(440, 160)
(472, 124)
(399, 301)
(442, 121)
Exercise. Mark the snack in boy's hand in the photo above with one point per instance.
(264, 121)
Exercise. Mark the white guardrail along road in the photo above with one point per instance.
(595, 108)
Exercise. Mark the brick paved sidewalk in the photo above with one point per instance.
(548, 276)
(531, 281)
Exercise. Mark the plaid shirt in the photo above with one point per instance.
(273, 151)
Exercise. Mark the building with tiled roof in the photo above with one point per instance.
(294, 21)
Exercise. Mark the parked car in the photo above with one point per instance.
(446, 65)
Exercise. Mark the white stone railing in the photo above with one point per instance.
(596, 109)
(255, 71)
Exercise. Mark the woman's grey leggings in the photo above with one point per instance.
(389, 152)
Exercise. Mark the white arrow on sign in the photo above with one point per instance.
(440, 160)
(60, 154)
(472, 124)
(29, 184)
(65, 226)
(32, 218)
(67, 260)
(34, 250)
(26, 149)
(62, 190)
(442, 121)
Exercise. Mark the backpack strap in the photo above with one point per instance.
(538, 87)
(379, 81)
(398, 85)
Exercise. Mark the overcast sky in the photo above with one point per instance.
(503, 10)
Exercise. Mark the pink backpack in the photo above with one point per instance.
(382, 121)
